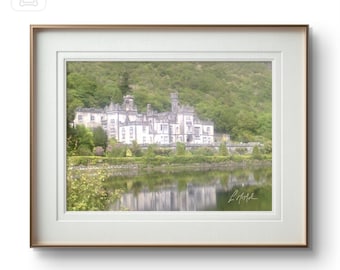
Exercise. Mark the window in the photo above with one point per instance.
(112, 130)
(123, 133)
(131, 132)
(164, 128)
(80, 118)
(92, 117)
(197, 132)
(166, 139)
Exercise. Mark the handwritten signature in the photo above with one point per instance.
(242, 197)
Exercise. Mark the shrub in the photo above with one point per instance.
(180, 149)
(223, 151)
(87, 192)
(203, 151)
(256, 153)
(116, 150)
(99, 151)
(136, 149)
(84, 150)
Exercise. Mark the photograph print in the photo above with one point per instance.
(169, 136)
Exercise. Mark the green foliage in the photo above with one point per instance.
(237, 158)
(99, 137)
(246, 126)
(124, 83)
(128, 153)
(256, 153)
(236, 96)
(115, 149)
(180, 149)
(84, 150)
(150, 151)
(80, 141)
(136, 150)
(109, 93)
(97, 188)
(241, 150)
(203, 151)
(268, 147)
(223, 151)
(81, 91)
(99, 151)
(86, 192)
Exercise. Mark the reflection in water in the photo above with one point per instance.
(170, 199)
(200, 191)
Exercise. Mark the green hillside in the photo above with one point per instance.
(235, 95)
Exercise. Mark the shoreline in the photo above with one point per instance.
(168, 166)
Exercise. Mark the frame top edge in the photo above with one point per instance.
(161, 26)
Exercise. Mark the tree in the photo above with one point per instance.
(124, 83)
(109, 93)
(223, 151)
(235, 96)
(85, 89)
(85, 136)
(268, 147)
(265, 125)
(136, 149)
(247, 126)
(128, 152)
(80, 141)
(71, 143)
(80, 93)
(150, 152)
(99, 137)
(99, 151)
(180, 149)
(87, 192)
(115, 149)
(73, 102)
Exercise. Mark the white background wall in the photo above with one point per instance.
(324, 19)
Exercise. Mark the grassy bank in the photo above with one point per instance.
(143, 162)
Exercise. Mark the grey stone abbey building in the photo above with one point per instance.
(124, 123)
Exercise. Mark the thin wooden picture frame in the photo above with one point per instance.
(52, 224)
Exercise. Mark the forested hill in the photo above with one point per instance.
(235, 95)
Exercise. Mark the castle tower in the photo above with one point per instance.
(174, 102)
(148, 109)
(129, 103)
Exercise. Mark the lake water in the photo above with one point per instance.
(194, 190)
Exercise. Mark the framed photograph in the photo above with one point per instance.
(169, 135)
